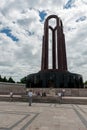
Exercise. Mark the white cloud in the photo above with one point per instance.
(17, 59)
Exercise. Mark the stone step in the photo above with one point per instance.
(46, 100)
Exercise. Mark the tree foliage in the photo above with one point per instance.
(23, 80)
(4, 79)
(10, 80)
(85, 82)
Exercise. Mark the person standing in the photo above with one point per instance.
(30, 94)
(11, 96)
(63, 92)
(60, 97)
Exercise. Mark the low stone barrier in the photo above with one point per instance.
(16, 88)
(6, 88)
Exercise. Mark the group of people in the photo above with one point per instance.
(31, 93)
(59, 94)
(39, 93)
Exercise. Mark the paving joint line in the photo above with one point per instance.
(81, 109)
(18, 122)
(29, 122)
(83, 120)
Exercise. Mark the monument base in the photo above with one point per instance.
(54, 79)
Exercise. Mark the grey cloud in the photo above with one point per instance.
(5, 64)
(24, 21)
(24, 55)
(84, 1)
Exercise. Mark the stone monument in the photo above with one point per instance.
(58, 75)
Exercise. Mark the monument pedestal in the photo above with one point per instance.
(54, 79)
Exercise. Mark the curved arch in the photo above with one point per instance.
(52, 16)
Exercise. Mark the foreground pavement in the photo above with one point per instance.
(41, 116)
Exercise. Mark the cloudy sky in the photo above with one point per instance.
(21, 30)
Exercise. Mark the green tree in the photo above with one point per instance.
(0, 78)
(4, 79)
(10, 80)
(23, 80)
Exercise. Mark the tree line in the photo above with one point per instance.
(10, 79)
(4, 79)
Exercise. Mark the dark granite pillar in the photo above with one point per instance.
(43, 55)
(64, 60)
(64, 55)
(46, 45)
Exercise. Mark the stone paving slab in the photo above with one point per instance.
(42, 116)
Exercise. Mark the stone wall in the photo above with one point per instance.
(6, 88)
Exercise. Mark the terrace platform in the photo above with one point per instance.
(42, 116)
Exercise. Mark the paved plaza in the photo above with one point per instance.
(41, 116)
